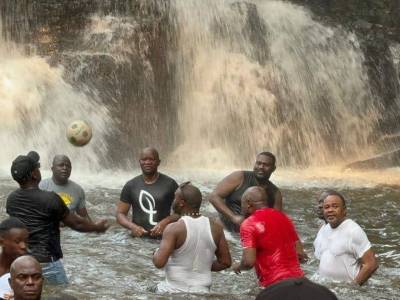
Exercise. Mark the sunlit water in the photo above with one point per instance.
(116, 266)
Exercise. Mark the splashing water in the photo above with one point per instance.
(37, 105)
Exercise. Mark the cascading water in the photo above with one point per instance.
(38, 104)
(226, 78)
(209, 83)
(262, 75)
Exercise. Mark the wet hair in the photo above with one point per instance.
(269, 154)
(334, 193)
(191, 195)
(9, 224)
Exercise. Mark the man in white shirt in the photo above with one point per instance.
(342, 246)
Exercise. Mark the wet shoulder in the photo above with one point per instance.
(248, 178)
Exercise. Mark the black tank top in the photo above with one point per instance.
(233, 201)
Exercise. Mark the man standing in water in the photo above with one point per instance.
(42, 212)
(70, 192)
(269, 240)
(226, 197)
(190, 245)
(342, 246)
(150, 195)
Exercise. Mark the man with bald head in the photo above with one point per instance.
(26, 278)
(192, 247)
(150, 195)
(70, 192)
(269, 239)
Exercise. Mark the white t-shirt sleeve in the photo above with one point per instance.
(359, 242)
(317, 244)
(4, 285)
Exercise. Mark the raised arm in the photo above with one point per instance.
(167, 246)
(122, 219)
(228, 185)
(78, 223)
(369, 265)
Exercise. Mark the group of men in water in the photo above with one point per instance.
(192, 245)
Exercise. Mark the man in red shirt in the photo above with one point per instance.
(269, 240)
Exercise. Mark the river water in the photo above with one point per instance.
(116, 266)
(213, 82)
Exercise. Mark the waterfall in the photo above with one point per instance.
(209, 83)
(265, 76)
(37, 105)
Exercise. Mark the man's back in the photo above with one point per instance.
(273, 236)
(41, 212)
(189, 267)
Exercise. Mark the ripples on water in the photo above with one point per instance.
(116, 266)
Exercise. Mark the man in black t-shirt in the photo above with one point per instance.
(150, 195)
(41, 212)
(226, 197)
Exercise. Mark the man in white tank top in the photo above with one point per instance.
(192, 247)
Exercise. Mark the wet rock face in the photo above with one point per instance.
(116, 50)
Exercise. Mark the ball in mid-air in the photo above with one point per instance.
(79, 133)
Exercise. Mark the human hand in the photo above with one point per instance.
(8, 296)
(237, 219)
(101, 226)
(236, 267)
(158, 229)
(303, 257)
(138, 231)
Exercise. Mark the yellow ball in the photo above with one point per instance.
(79, 133)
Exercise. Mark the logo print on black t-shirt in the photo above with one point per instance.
(151, 204)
